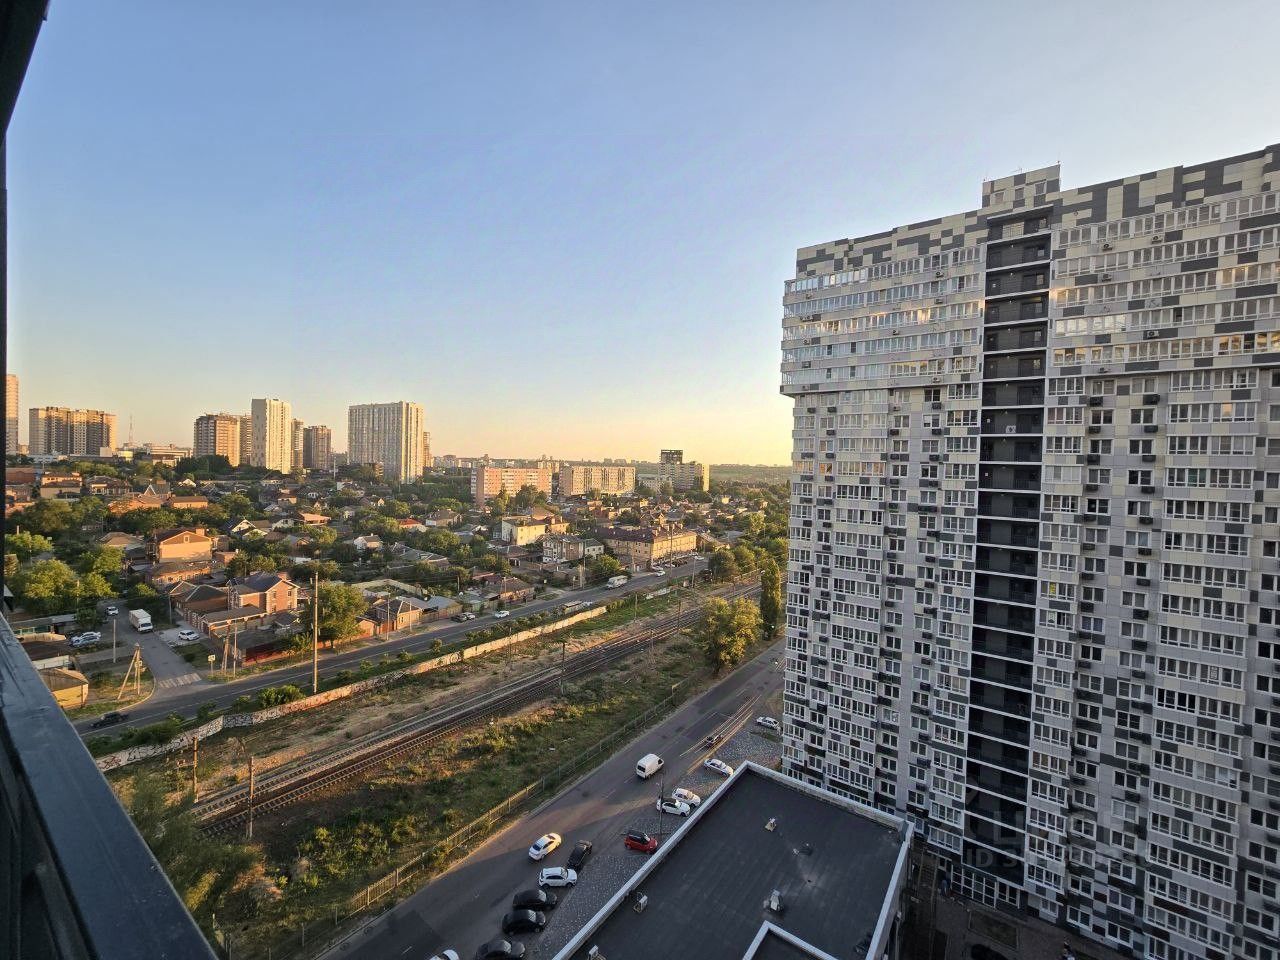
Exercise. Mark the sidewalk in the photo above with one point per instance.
(168, 669)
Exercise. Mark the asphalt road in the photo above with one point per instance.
(463, 907)
(186, 700)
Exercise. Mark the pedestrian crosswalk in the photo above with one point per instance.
(180, 681)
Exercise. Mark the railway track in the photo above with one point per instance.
(230, 809)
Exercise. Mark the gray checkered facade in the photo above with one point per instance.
(1035, 546)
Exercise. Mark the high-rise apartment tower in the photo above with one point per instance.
(1035, 524)
(11, 413)
(272, 434)
(317, 448)
(218, 435)
(61, 430)
(389, 434)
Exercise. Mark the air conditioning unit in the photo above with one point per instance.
(1106, 276)
(938, 273)
(1106, 246)
(1158, 238)
(939, 299)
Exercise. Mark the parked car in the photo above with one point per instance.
(534, 900)
(557, 877)
(769, 723)
(524, 921)
(109, 719)
(502, 614)
(113, 611)
(544, 845)
(187, 635)
(635, 840)
(446, 955)
(501, 950)
(86, 638)
(579, 856)
(718, 766)
(686, 796)
(667, 805)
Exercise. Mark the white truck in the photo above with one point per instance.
(140, 620)
(614, 582)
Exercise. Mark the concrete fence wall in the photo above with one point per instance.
(231, 721)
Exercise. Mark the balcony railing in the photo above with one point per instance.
(76, 879)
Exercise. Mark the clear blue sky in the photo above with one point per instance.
(561, 227)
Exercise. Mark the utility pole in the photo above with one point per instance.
(195, 769)
(251, 796)
(114, 621)
(563, 640)
(315, 634)
(235, 648)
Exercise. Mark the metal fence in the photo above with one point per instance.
(314, 938)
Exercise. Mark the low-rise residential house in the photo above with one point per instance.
(161, 575)
(443, 518)
(249, 529)
(182, 543)
(138, 501)
(438, 608)
(367, 543)
(561, 548)
(313, 519)
(192, 502)
(120, 540)
(397, 613)
(59, 488)
(592, 548)
(194, 598)
(269, 592)
(521, 531)
(107, 487)
(406, 554)
(410, 525)
(509, 590)
(471, 600)
(639, 547)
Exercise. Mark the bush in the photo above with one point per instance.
(242, 704)
(276, 696)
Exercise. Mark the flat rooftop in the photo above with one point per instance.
(836, 864)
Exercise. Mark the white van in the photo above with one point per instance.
(648, 766)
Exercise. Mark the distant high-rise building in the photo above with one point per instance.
(427, 460)
(672, 469)
(246, 438)
(218, 435)
(11, 413)
(488, 481)
(389, 434)
(317, 448)
(299, 444)
(55, 430)
(272, 435)
(1031, 589)
(578, 479)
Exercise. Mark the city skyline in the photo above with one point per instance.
(353, 208)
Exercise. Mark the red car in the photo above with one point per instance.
(635, 840)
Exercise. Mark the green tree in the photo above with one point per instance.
(603, 567)
(105, 561)
(722, 566)
(499, 503)
(47, 587)
(144, 522)
(237, 506)
(94, 586)
(27, 544)
(340, 605)
(726, 630)
(745, 559)
(770, 597)
(47, 517)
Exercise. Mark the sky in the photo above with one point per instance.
(563, 228)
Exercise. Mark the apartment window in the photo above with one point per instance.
(1142, 415)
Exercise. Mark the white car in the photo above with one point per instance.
(557, 877)
(718, 766)
(678, 807)
(112, 611)
(686, 796)
(768, 723)
(188, 635)
(501, 614)
(544, 845)
(84, 639)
